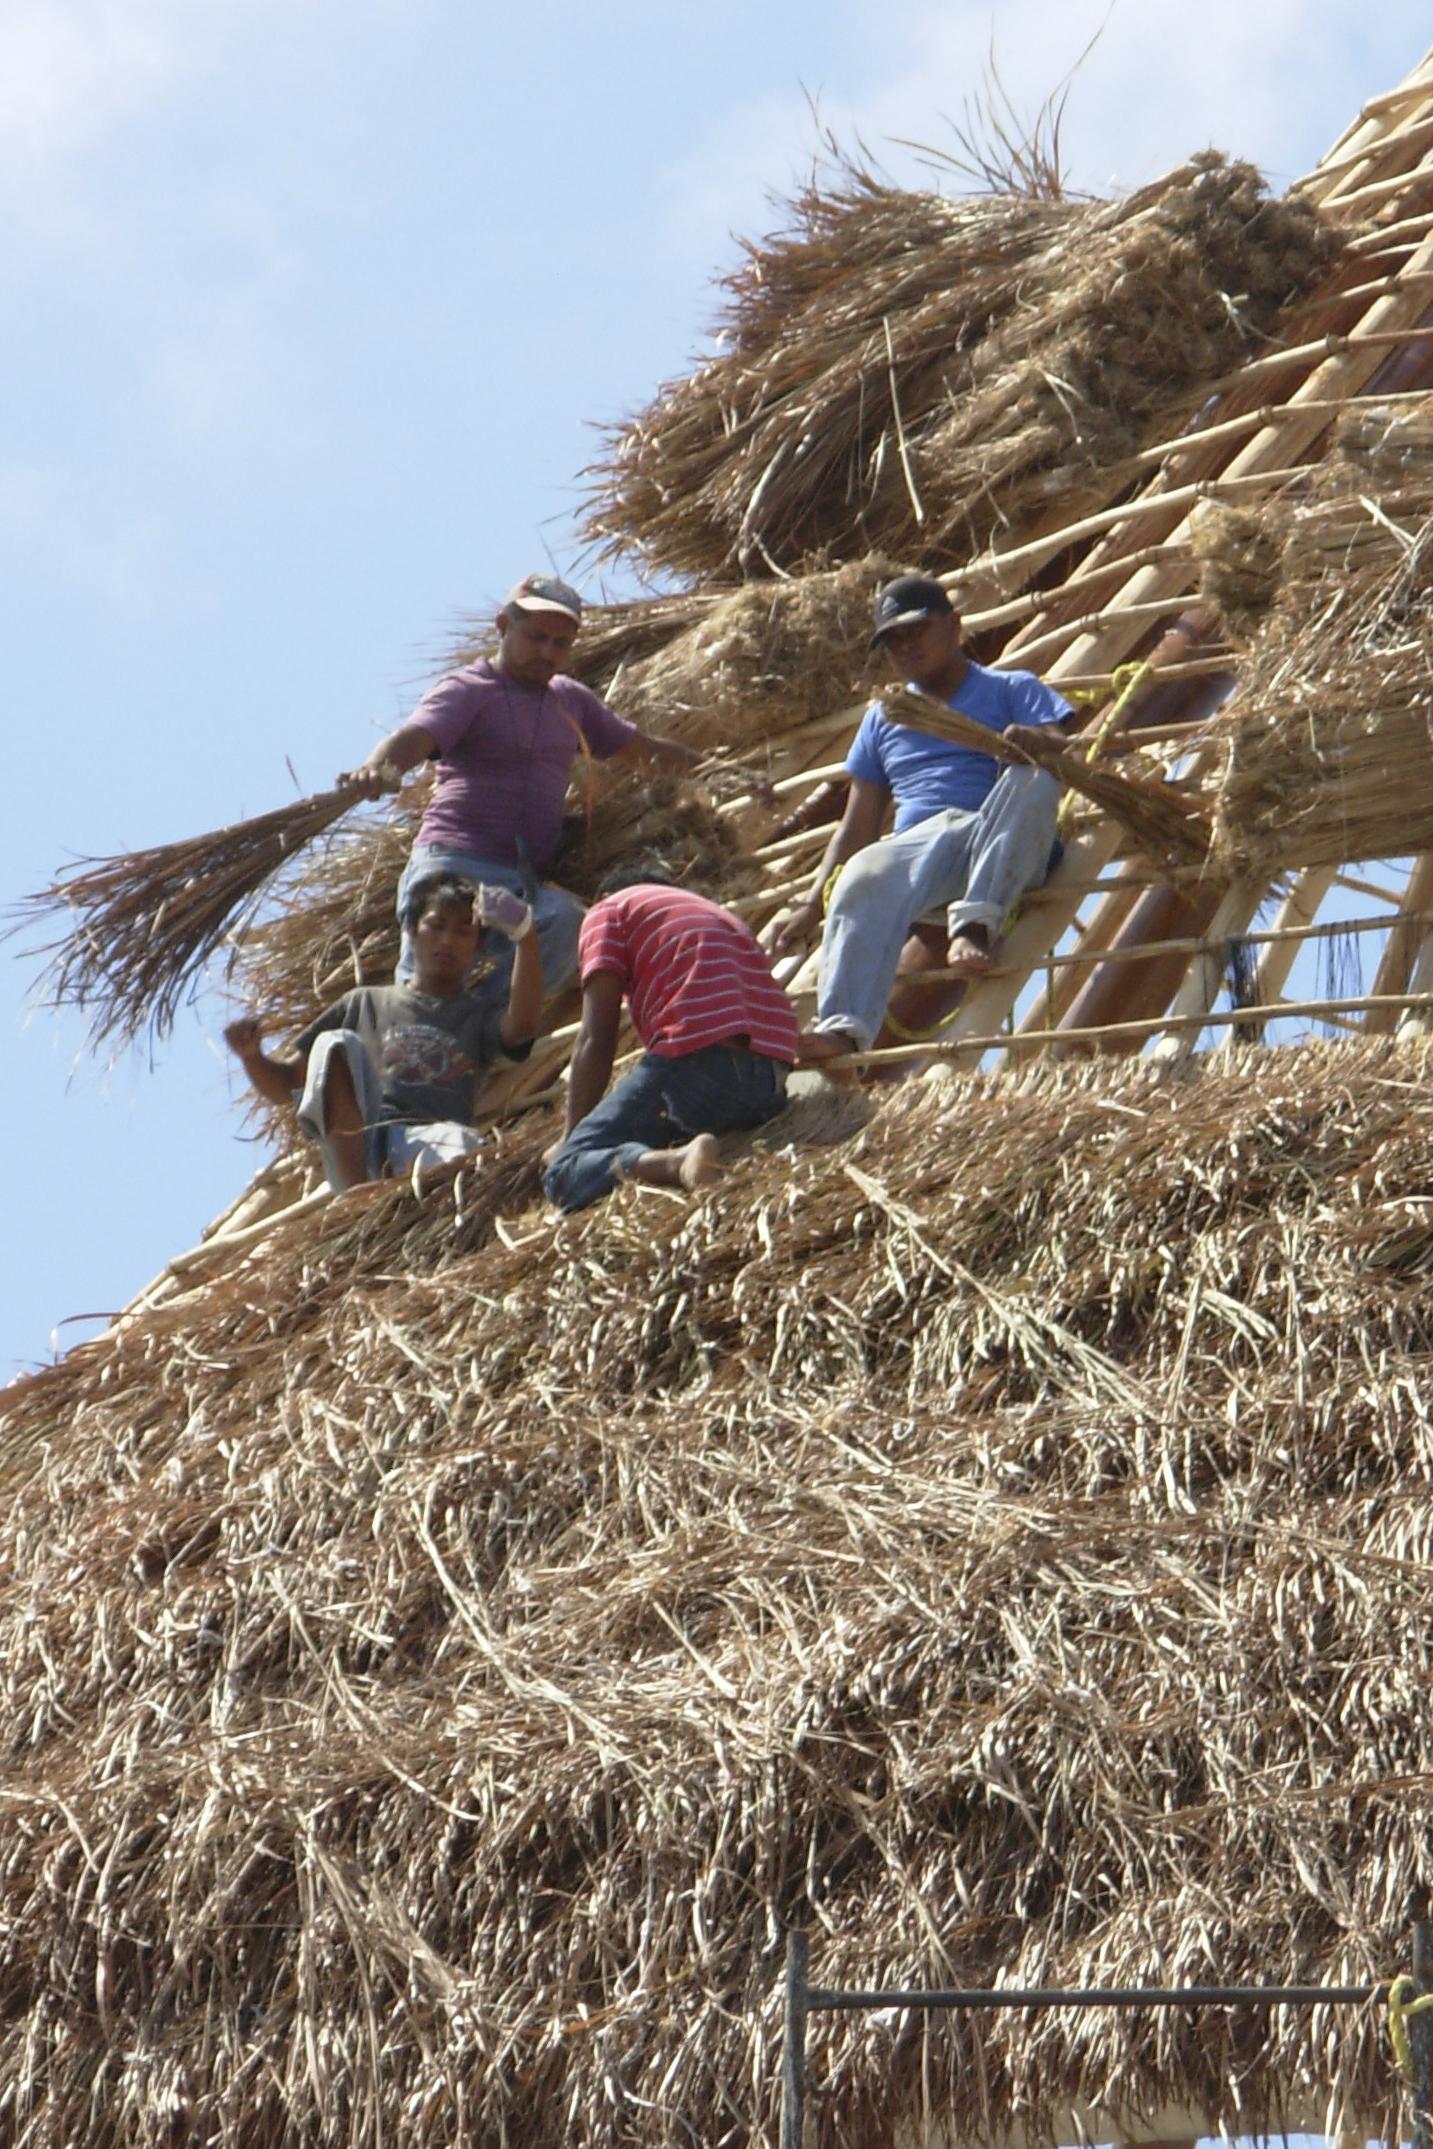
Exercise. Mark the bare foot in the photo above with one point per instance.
(813, 1046)
(701, 1162)
(970, 953)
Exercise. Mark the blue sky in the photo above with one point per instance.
(312, 310)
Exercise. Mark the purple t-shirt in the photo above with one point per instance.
(504, 756)
(926, 775)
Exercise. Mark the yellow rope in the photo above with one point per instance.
(1125, 682)
(919, 1037)
(1402, 2006)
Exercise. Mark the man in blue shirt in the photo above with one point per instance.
(971, 834)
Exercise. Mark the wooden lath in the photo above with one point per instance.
(1389, 151)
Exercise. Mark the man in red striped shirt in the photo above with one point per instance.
(718, 1033)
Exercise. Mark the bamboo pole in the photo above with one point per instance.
(1406, 940)
(970, 1050)
(1294, 924)
(1204, 979)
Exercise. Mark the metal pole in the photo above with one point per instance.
(793, 2053)
(1420, 2038)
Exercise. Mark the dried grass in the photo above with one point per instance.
(662, 821)
(145, 924)
(761, 659)
(333, 924)
(902, 372)
(1326, 752)
(440, 1654)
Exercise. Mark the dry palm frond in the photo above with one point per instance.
(144, 924)
(1168, 823)
(667, 822)
(906, 372)
(332, 925)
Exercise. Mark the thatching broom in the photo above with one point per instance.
(145, 923)
(1165, 822)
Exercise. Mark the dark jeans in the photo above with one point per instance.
(661, 1104)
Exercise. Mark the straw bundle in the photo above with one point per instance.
(1241, 556)
(1326, 754)
(333, 924)
(441, 1654)
(144, 924)
(761, 659)
(1168, 823)
(905, 372)
(665, 822)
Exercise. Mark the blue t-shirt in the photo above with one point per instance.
(926, 775)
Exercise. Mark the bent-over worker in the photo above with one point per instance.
(718, 1032)
(387, 1078)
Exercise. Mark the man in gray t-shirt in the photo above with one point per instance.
(504, 734)
(388, 1077)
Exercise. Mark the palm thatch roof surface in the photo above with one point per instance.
(445, 1647)
(1000, 1540)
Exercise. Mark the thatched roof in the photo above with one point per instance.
(445, 1646)
(999, 1539)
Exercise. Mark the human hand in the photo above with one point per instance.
(1039, 741)
(503, 911)
(798, 929)
(244, 1036)
(370, 782)
(365, 781)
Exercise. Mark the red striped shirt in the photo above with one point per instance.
(694, 975)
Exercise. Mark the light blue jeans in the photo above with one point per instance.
(399, 1144)
(978, 865)
(661, 1104)
(557, 917)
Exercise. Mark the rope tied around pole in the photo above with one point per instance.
(1404, 2002)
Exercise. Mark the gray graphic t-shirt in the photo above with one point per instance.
(429, 1051)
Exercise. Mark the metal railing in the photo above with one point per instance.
(804, 1999)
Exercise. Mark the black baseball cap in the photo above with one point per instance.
(905, 601)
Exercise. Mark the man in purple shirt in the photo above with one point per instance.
(970, 836)
(504, 733)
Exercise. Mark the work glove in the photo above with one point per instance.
(504, 912)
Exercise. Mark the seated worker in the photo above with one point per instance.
(387, 1078)
(719, 1037)
(504, 733)
(970, 834)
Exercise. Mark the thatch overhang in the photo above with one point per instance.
(444, 1651)
(445, 1646)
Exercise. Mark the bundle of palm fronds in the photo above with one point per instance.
(143, 925)
(1169, 823)
(760, 659)
(1326, 754)
(332, 924)
(661, 821)
(439, 1656)
(904, 371)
